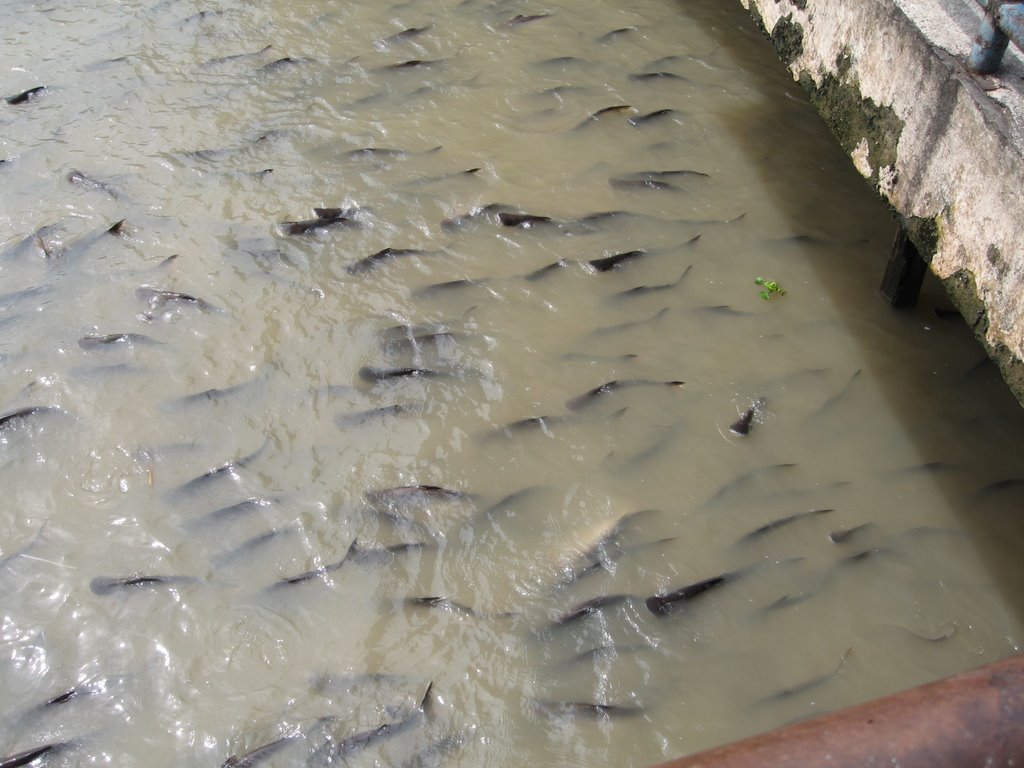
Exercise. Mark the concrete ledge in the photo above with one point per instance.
(942, 147)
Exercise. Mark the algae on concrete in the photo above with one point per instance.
(853, 118)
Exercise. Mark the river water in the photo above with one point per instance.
(285, 487)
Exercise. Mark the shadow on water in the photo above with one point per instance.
(942, 391)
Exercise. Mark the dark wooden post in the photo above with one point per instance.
(904, 273)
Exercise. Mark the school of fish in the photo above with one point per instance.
(390, 386)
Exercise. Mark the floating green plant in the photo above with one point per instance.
(770, 287)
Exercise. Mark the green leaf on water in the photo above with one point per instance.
(770, 287)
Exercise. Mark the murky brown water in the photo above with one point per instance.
(278, 616)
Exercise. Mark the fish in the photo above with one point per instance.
(444, 177)
(86, 689)
(431, 755)
(387, 153)
(391, 728)
(7, 558)
(211, 395)
(330, 685)
(408, 331)
(927, 466)
(511, 499)
(372, 374)
(234, 510)
(600, 217)
(422, 507)
(839, 395)
(213, 155)
(49, 239)
(522, 220)
(652, 116)
(998, 486)
(317, 572)
(309, 575)
(741, 427)
(537, 274)
(588, 709)
(944, 632)
(53, 247)
(357, 418)
(236, 57)
(594, 117)
(249, 545)
(787, 600)
(615, 34)
(526, 19)
(364, 555)
(411, 64)
(599, 538)
(88, 182)
(746, 479)
(541, 423)
(781, 522)
(807, 685)
(643, 290)
(444, 603)
(259, 754)
(46, 239)
(650, 76)
(201, 16)
(947, 313)
(104, 585)
(31, 755)
(158, 299)
(639, 185)
(478, 212)
(609, 651)
(450, 285)
(328, 217)
(407, 34)
(283, 63)
(611, 329)
(614, 262)
(375, 260)
(413, 494)
(589, 397)
(16, 419)
(600, 562)
(26, 96)
(723, 309)
(589, 607)
(861, 556)
(680, 173)
(844, 535)
(600, 557)
(104, 63)
(663, 605)
(560, 61)
(228, 469)
(415, 342)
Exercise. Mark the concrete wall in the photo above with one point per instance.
(941, 146)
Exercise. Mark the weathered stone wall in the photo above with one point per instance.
(929, 138)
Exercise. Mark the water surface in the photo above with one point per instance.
(195, 545)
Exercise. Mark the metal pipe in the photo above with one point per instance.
(1003, 21)
(975, 718)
